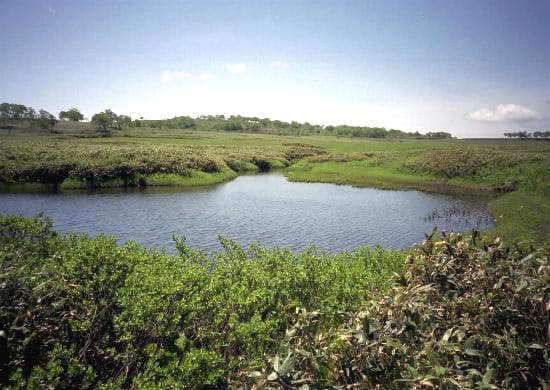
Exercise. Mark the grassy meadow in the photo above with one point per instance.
(458, 311)
(516, 172)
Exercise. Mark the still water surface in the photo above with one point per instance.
(261, 208)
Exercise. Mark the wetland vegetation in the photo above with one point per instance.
(34, 159)
(455, 312)
(343, 225)
(458, 311)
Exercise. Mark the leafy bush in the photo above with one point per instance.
(80, 313)
(469, 161)
(464, 315)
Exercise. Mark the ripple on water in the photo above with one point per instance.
(263, 208)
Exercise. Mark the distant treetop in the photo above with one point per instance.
(525, 135)
(72, 114)
(107, 120)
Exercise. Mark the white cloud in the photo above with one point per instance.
(280, 65)
(504, 113)
(52, 10)
(172, 75)
(236, 68)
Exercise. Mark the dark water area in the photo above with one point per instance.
(261, 208)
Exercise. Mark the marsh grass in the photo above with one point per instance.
(519, 169)
(69, 163)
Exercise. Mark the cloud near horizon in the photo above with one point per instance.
(280, 65)
(513, 113)
(172, 75)
(236, 68)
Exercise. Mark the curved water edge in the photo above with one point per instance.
(264, 208)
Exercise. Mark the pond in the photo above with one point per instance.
(264, 208)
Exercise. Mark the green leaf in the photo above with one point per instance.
(287, 366)
(276, 363)
(303, 352)
(472, 352)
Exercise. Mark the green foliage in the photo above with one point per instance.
(438, 135)
(471, 161)
(237, 123)
(21, 115)
(10, 112)
(77, 312)
(123, 121)
(105, 121)
(523, 135)
(77, 163)
(46, 120)
(72, 114)
(465, 314)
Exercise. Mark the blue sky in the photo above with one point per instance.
(474, 68)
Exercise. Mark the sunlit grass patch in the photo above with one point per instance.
(195, 178)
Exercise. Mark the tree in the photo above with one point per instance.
(19, 111)
(123, 121)
(72, 114)
(184, 122)
(5, 112)
(46, 120)
(233, 125)
(519, 134)
(439, 135)
(16, 112)
(105, 121)
(541, 135)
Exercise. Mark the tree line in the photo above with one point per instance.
(10, 113)
(237, 123)
(18, 115)
(107, 121)
(545, 135)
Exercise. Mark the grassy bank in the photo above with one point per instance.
(85, 313)
(192, 178)
(518, 173)
(68, 163)
(516, 170)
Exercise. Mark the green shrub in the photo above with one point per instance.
(85, 313)
(80, 312)
(465, 314)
